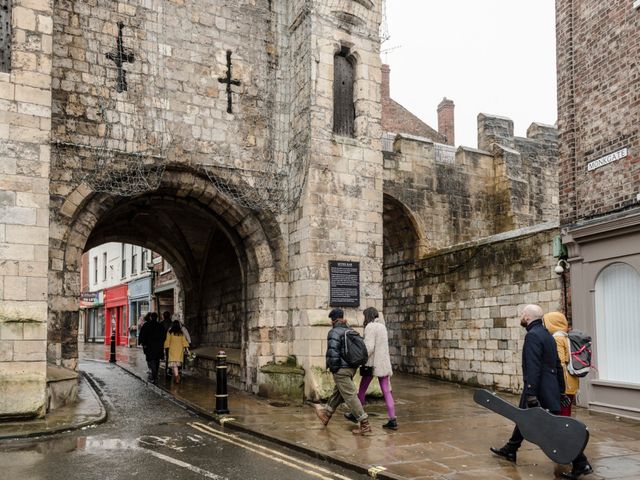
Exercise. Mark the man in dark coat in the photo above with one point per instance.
(344, 390)
(543, 383)
(152, 337)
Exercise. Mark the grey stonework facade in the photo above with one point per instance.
(205, 132)
(25, 125)
(468, 241)
(598, 122)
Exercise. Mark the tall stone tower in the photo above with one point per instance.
(340, 214)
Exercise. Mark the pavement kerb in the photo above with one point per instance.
(226, 421)
(69, 426)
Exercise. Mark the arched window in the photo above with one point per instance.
(617, 298)
(344, 112)
(5, 35)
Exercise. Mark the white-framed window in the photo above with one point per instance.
(104, 265)
(143, 260)
(134, 257)
(617, 303)
(95, 269)
(123, 260)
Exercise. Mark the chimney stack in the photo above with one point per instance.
(446, 126)
(385, 82)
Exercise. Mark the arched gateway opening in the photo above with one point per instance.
(227, 260)
(403, 244)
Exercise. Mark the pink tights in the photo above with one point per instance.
(386, 393)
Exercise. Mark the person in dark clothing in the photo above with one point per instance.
(344, 390)
(166, 320)
(543, 383)
(152, 337)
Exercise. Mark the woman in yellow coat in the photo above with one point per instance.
(557, 325)
(176, 343)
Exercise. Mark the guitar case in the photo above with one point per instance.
(560, 438)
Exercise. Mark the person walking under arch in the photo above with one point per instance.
(176, 345)
(376, 338)
(152, 337)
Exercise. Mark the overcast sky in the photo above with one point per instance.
(490, 56)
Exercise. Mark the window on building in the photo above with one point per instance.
(123, 260)
(5, 35)
(344, 112)
(104, 265)
(143, 260)
(617, 327)
(95, 269)
(134, 259)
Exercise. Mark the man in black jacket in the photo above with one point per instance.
(152, 337)
(344, 390)
(543, 383)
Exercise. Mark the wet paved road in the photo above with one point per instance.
(147, 436)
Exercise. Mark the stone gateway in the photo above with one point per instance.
(242, 141)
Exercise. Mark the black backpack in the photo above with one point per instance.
(355, 351)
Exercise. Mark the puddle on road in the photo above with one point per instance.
(91, 444)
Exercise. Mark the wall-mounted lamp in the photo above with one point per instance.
(561, 267)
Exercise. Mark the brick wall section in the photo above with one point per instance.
(25, 126)
(446, 121)
(397, 119)
(454, 315)
(596, 44)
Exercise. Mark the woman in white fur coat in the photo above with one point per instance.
(377, 341)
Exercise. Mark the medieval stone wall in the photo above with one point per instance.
(598, 87)
(174, 112)
(467, 240)
(25, 126)
(222, 315)
(454, 314)
(510, 183)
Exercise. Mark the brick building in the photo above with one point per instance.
(598, 48)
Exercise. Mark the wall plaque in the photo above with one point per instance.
(344, 284)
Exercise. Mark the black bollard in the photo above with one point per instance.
(112, 354)
(222, 398)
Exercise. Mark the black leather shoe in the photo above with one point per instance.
(504, 453)
(577, 472)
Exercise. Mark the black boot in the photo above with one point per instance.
(392, 424)
(578, 471)
(505, 452)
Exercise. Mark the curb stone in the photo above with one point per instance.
(95, 391)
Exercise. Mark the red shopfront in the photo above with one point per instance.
(116, 316)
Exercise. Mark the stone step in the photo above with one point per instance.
(62, 387)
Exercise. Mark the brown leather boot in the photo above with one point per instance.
(363, 429)
(322, 414)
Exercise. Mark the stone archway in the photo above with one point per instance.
(229, 261)
(404, 243)
(403, 237)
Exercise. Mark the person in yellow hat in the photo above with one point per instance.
(557, 325)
